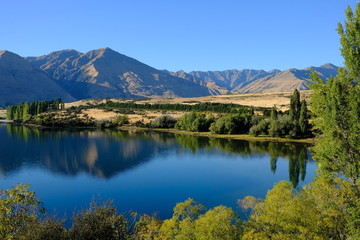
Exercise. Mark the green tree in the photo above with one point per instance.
(19, 210)
(303, 118)
(99, 222)
(336, 104)
(274, 113)
(10, 112)
(25, 111)
(181, 225)
(294, 111)
(319, 211)
(218, 223)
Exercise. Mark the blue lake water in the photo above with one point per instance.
(144, 171)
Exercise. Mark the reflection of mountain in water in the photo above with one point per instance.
(98, 153)
(106, 153)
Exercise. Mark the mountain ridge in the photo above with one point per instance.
(105, 73)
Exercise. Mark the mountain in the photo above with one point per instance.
(248, 80)
(105, 73)
(20, 82)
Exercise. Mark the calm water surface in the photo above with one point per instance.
(144, 171)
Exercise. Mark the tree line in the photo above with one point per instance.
(199, 107)
(23, 111)
(291, 124)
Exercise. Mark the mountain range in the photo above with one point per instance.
(105, 73)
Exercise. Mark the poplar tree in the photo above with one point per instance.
(25, 111)
(294, 111)
(303, 118)
(10, 112)
(274, 113)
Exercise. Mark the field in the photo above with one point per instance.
(281, 100)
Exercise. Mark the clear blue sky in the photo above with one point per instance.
(181, 34)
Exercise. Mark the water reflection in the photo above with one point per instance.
(106, 153)
(296, 153)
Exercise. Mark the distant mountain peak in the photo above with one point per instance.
(6, 53)
(329, 66)
(3, 52)
(274, 71)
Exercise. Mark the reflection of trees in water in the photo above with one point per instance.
(104, 153)
(297, 154)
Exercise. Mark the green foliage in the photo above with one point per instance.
(164, 121)
(303, 119)
(294, 111)
(282, 127)
(201, 107)
(19, 209)
(23, 111)
(99, 222)
(274, 113)
(218, 223)
(190, 221)
(261, 128)
(319, 211)
(51, 120)
(121, 120)
(231, 124)
(194, 122)
(147, 227)
(47, 229)
(350, 42)
(10, 113)
(336, 104)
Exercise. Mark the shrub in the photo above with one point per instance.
(164, 121)
(231, 124)
(49, 229)
(99, 222)
(194, 122)
(120, 120)
(261, 128)
(282, 127)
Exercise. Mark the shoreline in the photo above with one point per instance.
(245, 137)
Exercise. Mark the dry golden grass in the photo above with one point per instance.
(140, 115)
(281, 100)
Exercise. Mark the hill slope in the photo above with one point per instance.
(20, 82)
(108, 74)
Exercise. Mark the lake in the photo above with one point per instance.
(144, 171)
